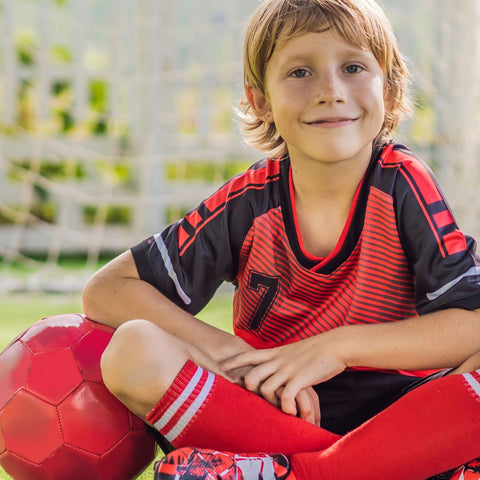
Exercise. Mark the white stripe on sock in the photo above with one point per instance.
(192, 410)
(473, 382)
(177, 404)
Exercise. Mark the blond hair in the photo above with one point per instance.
(360, 22)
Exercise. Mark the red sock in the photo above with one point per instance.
(204, 410)
(432, 429)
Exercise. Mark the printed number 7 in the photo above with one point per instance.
(269, 285)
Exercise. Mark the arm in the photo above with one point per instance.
(438, 340)
(116, 294)
(441, 339)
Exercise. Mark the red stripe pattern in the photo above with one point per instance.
(428, 196)
(216, 204)
(373, 285)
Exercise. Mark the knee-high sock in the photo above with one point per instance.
(203, 410)
(430, 430)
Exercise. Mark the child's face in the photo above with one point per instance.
(325, 96)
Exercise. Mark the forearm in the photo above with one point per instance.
(116, 294)
(438, 340)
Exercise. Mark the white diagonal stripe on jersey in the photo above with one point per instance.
(192, 410)
(162, 248)
(473, 382)
(181, 399)
(472, 272)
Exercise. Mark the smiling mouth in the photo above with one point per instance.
(332, 122)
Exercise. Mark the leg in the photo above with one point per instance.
(151, 372)
(140, 363)
(429, 430)
(470, 470)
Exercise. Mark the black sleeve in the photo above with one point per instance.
(189, 260)
(444, 263)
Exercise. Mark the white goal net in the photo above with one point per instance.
(116, 116)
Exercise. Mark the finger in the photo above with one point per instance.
(305, 406)
(272, 388)
(288, 398)
(238, 375)
(256, 377)
(207, 363)
(245, 359)
(316, 405)
(315, 402)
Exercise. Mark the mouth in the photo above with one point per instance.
(333, 122)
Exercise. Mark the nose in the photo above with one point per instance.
(329, 89)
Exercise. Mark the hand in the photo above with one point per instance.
(308, 404)
(211, 358)
(280, 374)
(205, 361)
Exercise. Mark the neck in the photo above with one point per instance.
(327, 183)
(323, 198)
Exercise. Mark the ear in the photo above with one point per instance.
(259, 104)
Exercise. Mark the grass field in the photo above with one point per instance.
(17, 313)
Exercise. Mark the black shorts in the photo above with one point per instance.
(353, 397)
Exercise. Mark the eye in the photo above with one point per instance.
(354, 68)
(300, 73)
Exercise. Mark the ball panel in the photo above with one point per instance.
(136, 423)
(19, 469)
(104, 420)
(30, 427)
(98, 326)
(137, 446)
(53, 375)
(88, 351)
(55, 332)
(14, 366)
(69, 463)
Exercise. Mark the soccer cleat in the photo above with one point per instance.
(194, 464)
(469, 471)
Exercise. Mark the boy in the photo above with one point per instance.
(354, 286)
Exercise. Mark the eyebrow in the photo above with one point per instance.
(300, 56)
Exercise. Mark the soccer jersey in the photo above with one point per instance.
(400, 254)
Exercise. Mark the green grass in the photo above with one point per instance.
(19, 312)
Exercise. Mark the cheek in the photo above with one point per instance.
(281, 107)
(378, 102)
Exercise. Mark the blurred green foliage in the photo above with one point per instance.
(205, 170)
(64, 118)
(109, 215)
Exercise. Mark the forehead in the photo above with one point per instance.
(312, 41)
(342, 23)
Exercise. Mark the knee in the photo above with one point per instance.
(137, 366)
(125, 357)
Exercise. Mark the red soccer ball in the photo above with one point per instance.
(58, 421)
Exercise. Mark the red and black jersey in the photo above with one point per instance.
(400, 254)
